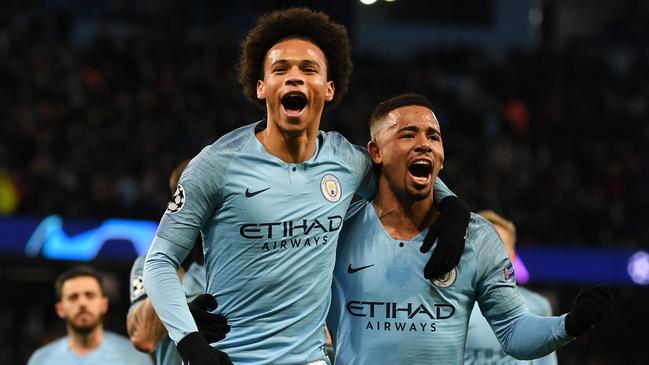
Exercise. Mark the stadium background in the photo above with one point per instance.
(543, 104)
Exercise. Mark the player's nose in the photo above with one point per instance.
(424, 145)
(294, 77)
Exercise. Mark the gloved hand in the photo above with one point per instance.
(450, 227)
(194, 350)
(212, 326)
(592, 304)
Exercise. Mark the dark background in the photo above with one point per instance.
(543, 104)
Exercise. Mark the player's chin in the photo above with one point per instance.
(419, 193)
(85, 326)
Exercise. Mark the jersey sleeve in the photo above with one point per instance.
(550, 359)
(441, 190)
(521, 334)
(195, 198)
(136, 279)
(543, 308)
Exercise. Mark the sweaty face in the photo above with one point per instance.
(295, 85)
(409, 148)
(82, 304)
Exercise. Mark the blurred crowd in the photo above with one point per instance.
(93, 117)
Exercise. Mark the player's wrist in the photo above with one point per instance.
(195, 350)
(574, 325)
(192, 344)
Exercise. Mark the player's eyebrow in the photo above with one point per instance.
(279, 63)
(302, 63)
(310, 63)
(412, 128)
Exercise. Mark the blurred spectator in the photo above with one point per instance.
(82, 304)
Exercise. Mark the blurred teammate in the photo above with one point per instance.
(82, 305)
(383, 310)
(146, 331)
(269, 200)
(482, 346)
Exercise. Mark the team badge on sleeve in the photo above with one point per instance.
(508, 272)
(137, 288)
(446, 280)
(330, 187)
(177, 201)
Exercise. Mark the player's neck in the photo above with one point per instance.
(289, 147)
(401, 217)
(83, 343)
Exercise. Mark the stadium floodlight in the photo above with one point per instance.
(367, 2)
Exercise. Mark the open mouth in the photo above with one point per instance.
(420, 168)
(294, 102)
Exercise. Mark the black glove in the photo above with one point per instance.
(194, 350)
(212, 326)
(450, 227)
(592, 304)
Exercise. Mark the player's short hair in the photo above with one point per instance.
(496, 218)
(386, 106)
(175, 175)
(301, 23)
(75, 272)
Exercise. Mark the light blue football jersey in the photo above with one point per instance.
(193, 283)
(482, 346)
(269, 232)
(114, 349)
(384, 311)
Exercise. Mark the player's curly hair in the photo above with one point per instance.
(303, 23)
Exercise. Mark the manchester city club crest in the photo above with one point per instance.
(330, 187)
(446, 280)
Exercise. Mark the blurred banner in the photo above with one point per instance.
(76, 240)
(123, 239)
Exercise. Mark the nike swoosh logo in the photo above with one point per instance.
(352, 270)
(250, 194)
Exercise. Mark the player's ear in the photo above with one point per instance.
(375, 153)
(261, 90)
(104, 304)
(59, 310)
(331, 90)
